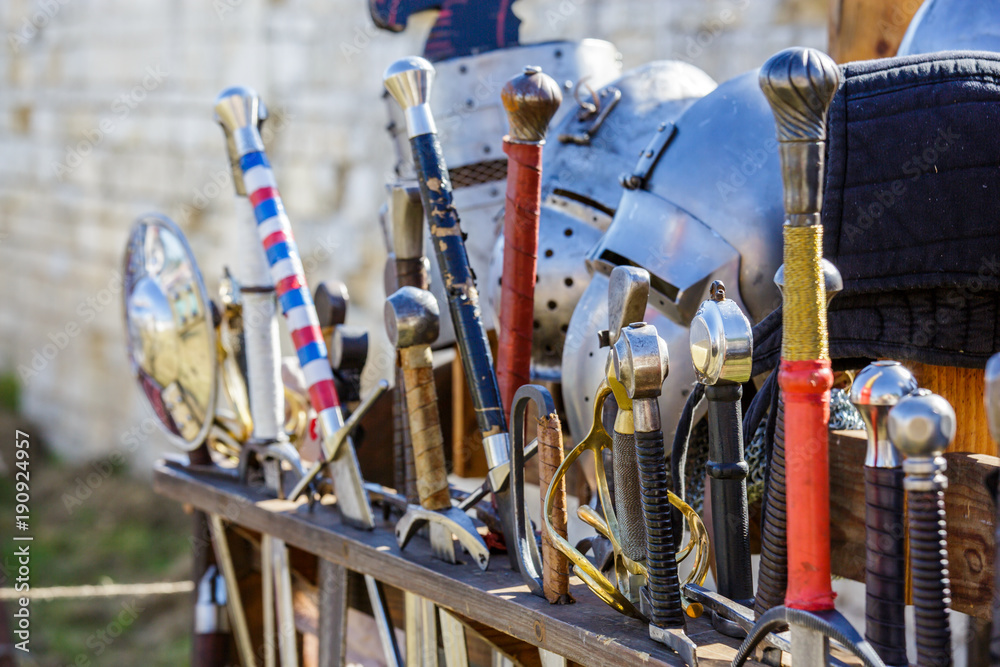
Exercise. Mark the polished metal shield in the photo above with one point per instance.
(586, 157)
(170, 329)
(948, 25)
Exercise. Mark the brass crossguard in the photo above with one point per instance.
(596, 442)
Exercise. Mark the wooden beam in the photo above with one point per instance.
(866, 29)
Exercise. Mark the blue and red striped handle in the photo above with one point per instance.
(289, 280)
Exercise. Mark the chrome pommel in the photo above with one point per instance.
(412, 317)
(875, 391)
(240, 112)
(721, 340)
(641, 363)
(800, 84)
(409, 81)
(531, 99)
(628, 293)
(407, 212)
(922, 425)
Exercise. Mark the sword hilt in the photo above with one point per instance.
(531, 99)
(799, 85)
(555, 576)
(877, 388)
(922, 425)
(411, 321)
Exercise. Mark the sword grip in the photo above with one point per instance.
(520, 266)
(405, 472)
(662, 582)
(929, 568)
(627, 498)
(460, 283)
(728, 470)
(425, 427)
(885, 563)
(555, 576)
(772, 576)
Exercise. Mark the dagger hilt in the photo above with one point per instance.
(799, 85)
(412, 321)
(722, 352)
(876, 389)
(530, 99)
(922, 425)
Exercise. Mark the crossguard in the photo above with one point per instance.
(454, 520)
(829, 623)
(526, 549)
(336, 440)
(596, 442)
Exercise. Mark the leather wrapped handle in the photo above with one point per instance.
(555, 575)
(728, 470)
(772, 576)
(520, 266)
(405, 470)
(662, 582)
(885, 564)
(627, 494)
(463, 297)
(931, 589)
(425, 427)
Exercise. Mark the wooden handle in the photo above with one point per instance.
(425, 427)
(555, 576)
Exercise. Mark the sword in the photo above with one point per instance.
(530, 99)
(722, 353)
(799, 85)
(922, 425)
(235, 108)
(991, 396)
(640, 364)
(411, 321)
(408, 81)
(875, 390)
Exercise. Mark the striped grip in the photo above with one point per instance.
(275, 233)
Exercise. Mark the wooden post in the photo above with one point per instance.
(866, 29)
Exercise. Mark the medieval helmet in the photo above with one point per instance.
(703, 204)
(585, 156)
(945, 25)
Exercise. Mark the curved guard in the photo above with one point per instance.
(830, 623)
(457, 521)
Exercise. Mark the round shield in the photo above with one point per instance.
(171, 335)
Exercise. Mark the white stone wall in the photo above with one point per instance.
(105, 113)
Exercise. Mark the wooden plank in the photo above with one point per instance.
(970, 511)
(587, 632)
(865, 29)
(963, 387)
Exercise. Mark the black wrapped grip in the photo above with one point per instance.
(931, 588)
(460, 284)
(885, 564)
(662, 583)
(728, 470)
(628, 505)
(772, 577)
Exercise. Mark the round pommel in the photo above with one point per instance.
(721, 340)
(799, 84)
(877, 388)
(641, 361)
(832, 279)
(992, 395)
(411, 317)
(531, 100)
(922, 425)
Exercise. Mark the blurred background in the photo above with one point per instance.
(105, 114)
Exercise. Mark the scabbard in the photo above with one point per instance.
(806, 387)
(728, 470)
(460, 284)
(885, 564)
(520, 265)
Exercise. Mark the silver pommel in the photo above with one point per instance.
(409, 81)
(240, 113)
(876, 389)
(412, 317)
(721, 340)
(628, 293)
(922, 425)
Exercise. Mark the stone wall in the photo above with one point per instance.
(105, 113)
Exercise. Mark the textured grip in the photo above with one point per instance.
(520, 264)
(463, 298)
(425, 427)
(555, 576)
(885, 564)
(772, 577)
(628, 506)
(929, 568)
(728, 470)
(405, 474)
(662, 582)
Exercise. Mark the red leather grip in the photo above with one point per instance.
(806, 392)
(520, 263)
